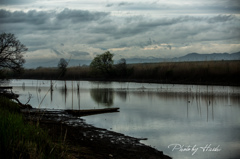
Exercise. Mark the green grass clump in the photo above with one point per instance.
(20, 139)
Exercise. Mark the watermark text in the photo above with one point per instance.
(194, 148)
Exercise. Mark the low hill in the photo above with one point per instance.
(188, 57)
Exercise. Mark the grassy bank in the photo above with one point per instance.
(21, 139)
(204, 72)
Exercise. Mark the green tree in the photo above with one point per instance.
(11, 53)
(103, 64)
(62, 66)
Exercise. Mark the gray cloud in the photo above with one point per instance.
(80, 16)
(228, 6)
(98, 31)
(79, 53)
(192, 7)
(45, 20)
(32, 17)
(121, 4)
(109, 5)
(15, 2)
(166, 30)
(124, 4)
(221, 18)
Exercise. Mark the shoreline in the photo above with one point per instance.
(200, 73)
(87, 141)
(237, 84)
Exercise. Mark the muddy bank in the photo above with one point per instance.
(86, 141)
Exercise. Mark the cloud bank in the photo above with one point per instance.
(127, 29)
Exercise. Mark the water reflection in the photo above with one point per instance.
(51, 91)
(64, 92)
(104, 96)
(23, 86)
(122, 95)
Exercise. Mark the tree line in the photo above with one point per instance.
(102, 67)
(11, 58)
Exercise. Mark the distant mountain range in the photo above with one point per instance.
(188, 57)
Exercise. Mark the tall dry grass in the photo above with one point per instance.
(215, 72)
(189, 72)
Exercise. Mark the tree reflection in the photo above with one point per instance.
(102, 96)
(64, 92)
(122, 95)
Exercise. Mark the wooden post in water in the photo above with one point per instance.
(65, 91)
(51, 90)
(78, 95)
(72, 94)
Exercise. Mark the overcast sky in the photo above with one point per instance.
(144, 28)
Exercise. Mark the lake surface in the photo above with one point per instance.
(183, 121)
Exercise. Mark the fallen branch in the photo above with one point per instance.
(14, 96)
(22, 106)
(91, 111)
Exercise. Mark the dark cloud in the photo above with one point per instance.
(205, 7)
(79, 53)
(48, 22)
(221, 18)
(15, 2)
(31, 17)
(144, 32)
(109, 5)
(80, 16)
(175, 28)
(229, 6)
(45, 20)
(115, 28)
(124, 4)
(104, 31)
(121, 4)
(169, 47)
(96, 39)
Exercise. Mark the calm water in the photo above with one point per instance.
(183, 121)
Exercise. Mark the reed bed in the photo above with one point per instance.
(203, 72)
(189, 72)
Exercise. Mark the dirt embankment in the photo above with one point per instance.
(86, 141)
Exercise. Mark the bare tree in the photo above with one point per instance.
(62, 66)
(11, 52)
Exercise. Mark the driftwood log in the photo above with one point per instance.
(91, 111)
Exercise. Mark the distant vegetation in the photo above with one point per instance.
(210, 72)
(205, 72)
